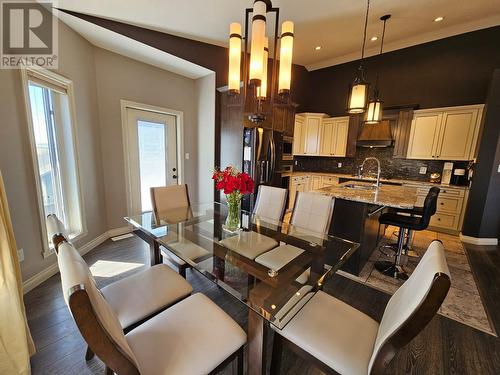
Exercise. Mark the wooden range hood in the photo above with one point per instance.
(375, 135)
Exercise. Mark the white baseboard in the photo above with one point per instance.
(478, 240)
(53, 269)
(40, 277)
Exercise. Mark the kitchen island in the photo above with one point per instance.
(358, 206)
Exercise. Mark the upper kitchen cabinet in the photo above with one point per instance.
(333, 136)
(284, 118)
(307, 133)
(445, 133)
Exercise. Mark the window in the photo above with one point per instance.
(51, 124)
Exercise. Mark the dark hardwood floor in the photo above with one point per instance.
(444, 347)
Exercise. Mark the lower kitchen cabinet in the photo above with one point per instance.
(450, 207)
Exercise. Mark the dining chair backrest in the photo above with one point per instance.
(412, 306)
(55, 230)
(270, 203)
(169, 198)
(94, 317)
(312, 211)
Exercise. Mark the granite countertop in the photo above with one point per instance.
(372, 179)
(384, 195)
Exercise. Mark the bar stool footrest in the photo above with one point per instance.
(392, 270)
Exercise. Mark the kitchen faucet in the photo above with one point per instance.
(378, 168)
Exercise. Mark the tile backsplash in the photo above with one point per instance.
(391, 167)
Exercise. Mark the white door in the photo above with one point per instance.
(152, 155)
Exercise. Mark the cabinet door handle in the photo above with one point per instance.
(439, 219)
(442, 204)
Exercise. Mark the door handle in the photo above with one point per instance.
(174, 176)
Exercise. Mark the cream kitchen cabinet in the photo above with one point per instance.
(298, 136)
(445, 133)
(333, 136)
(306, 137)
(450, 207)
(297, 183)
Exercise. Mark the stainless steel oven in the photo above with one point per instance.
(287, 148)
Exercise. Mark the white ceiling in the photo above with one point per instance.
(335, 25)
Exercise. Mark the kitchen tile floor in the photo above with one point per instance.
(463, 302)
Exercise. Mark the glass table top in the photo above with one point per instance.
(273, 267)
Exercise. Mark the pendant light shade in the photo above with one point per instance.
(262, 90)
(374, 113)
(257, 46)
(285, 72)
(359, 89)
(358, 95)
(234, 58)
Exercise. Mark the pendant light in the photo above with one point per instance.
(358, 90)
(374, 113)
(255, 65)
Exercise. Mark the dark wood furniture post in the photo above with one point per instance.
(257, 343)
(154, 247)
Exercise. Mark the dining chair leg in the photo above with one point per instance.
(182, 270)
(277, 353)
(239, 359)
(89, 354)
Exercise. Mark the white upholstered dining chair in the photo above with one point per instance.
(192, 337)
(171, 205)
(269, 209)
(310, 221)
(135, 298)
(340, 339)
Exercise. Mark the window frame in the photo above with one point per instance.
(53, 80)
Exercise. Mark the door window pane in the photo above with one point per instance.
(152, 158)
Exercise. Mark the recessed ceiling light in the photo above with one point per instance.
(374, 38)
(438, 19)
(317, 48)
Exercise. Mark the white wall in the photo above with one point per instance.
(119, 77)
(76, 62)
(101, 79)
(205, 91)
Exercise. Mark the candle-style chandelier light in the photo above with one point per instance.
(255, 71)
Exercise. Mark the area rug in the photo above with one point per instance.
(463, 302)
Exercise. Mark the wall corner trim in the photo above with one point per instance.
(478, 240)
(53, 269)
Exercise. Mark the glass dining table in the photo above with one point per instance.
(272, 267)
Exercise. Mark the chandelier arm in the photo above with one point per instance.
(245, 57)
(275, 60)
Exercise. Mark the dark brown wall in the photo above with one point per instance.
(482, 217)
(448, 72)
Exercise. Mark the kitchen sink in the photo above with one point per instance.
(359, 187)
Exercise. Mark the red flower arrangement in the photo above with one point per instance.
(230, 180)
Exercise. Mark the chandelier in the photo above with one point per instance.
(255, 65)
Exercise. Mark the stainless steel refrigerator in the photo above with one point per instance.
(262, 158)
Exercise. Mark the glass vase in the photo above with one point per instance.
(233, 223)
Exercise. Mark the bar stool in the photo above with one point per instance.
(405, 222)
(415, 211)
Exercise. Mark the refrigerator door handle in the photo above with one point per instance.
(273, 159)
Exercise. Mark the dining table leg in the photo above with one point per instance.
(154, 247)
(257, 343)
